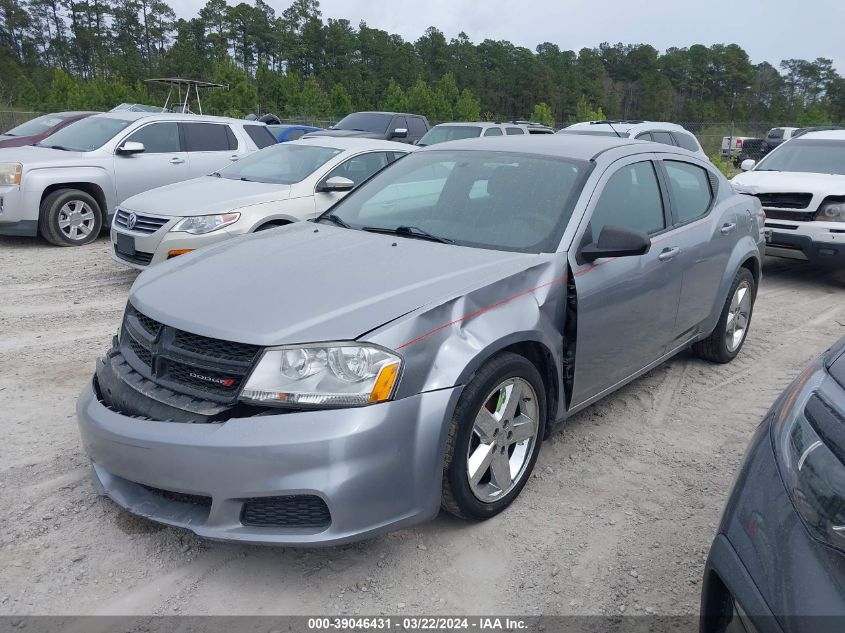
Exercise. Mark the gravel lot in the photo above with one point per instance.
(618, 516)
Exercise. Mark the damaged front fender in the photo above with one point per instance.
(444, 345)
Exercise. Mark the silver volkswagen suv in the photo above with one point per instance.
(68, 186)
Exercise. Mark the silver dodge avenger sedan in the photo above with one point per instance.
(411, 348)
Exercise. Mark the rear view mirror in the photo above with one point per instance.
(336, 183)
(748, 164)
(131, 147)
(400, 132)
(617, 241)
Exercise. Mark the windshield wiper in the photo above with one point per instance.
(215, 173)
(409, 231)
(331, 217)
(61, 147)
(245, 179)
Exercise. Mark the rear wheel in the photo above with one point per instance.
(494, 438)
(70, 217)
(727, 338)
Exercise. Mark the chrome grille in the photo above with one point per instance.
(143, 223)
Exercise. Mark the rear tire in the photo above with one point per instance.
(70, 217)
(495, 434)
(727, 339)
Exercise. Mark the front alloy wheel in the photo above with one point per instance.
(502, 440)
(494, 437)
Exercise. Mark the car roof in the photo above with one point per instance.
(173, 116)
(828, 135)
(353, 143)
(625, 127)
(472, 123)
(575, 146)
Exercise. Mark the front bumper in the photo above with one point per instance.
(14, 217)
(378, 468)
(154, 248)
(820, 243)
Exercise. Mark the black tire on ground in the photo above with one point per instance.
(457, 497)
(715, 347)
(51, 211)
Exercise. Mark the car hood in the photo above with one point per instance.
(205, 196)
(755, 182)
(33, 157)
(347, 134)
(307, 282)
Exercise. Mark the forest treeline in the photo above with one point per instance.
(93, 54)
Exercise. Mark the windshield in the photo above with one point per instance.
(280, 164)
(496, 200)
(87, 134)
(818, 156)
(375, 122)
(36, 126)
(439, 134)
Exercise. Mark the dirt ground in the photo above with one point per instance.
(617, 518)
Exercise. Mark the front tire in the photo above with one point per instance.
(726, 340)
(494, 438)
(70, 217)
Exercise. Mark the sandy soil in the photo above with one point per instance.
(618, 516)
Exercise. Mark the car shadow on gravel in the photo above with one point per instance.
(809, 275)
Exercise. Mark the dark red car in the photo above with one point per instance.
(39, 128)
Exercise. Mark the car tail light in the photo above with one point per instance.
(739, 142)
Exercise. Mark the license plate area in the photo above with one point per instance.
(125, 245)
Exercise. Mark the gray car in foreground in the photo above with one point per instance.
(411, 349)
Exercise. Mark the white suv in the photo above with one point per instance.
(656, 131)
(801, 186)
(474, 129)
(68, 186)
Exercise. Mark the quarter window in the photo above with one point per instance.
(511, 131)
(645, 136)
(631, 199)
(206, 137)
(493, 131)
(662, 137)
(417, 127)
(158, 138)
(687, 141)
(689, 186)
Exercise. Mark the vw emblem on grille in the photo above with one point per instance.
(131, 220)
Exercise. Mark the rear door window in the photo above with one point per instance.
(645, 136)
(261, 135)
(206, 137)
(511, 131)
(689, 187)
(493, 131)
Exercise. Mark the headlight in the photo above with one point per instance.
(10, 174)
(831, 210)
(199, 224)
(810, 464)
(328, 374)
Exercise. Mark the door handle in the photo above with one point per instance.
(176, 160)
(727, 227)
(668, 253)
(234, 157)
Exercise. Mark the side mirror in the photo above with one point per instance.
(336, 183)
(399, 132)
(617, 241)
(131, 147)
(748, 164)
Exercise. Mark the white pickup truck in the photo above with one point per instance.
(732, 145)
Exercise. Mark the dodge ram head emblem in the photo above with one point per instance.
(131, 220)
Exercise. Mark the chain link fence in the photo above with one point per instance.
(13, 118)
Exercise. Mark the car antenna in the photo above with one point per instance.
(613, 128)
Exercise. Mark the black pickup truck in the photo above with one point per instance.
(388, 126)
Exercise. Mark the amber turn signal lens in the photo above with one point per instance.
(178, 251)
(384, 383)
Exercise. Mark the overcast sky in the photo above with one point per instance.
(769, 30)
